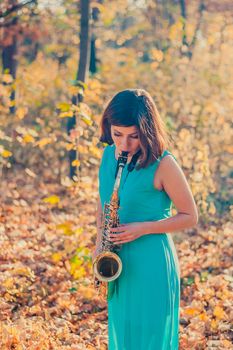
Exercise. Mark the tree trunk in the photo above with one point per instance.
(81, 75)
(9, 61)
(93, 56)
(93, 67)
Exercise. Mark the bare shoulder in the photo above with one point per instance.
(167, 170)
(172, 180)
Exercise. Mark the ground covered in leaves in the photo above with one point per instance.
(47, 300)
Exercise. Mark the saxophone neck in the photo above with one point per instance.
(118, 179)
(115, 198)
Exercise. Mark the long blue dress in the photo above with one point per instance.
(143, 302)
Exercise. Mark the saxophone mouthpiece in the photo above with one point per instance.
(124, 153)
(122, 159)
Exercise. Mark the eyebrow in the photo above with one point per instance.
(129, 134)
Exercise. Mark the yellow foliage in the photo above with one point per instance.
(74, 90)
(52, 199)
(56, 257)
(86, 118)
(12, 103)
(82, 251)
(79, 230)
(95, 151)
(154, 65)
(190, 30)
(77, 272)
(8, 283)
(28, 138)
(82, 149)
(203, 317)
(227, 343)
(6, 154)
(175, 31)
(43, 142)
(68, 114)
(87, 292)
(212, 209)
(66, 227)
(63, 106)
(70, 146)
(23, 271)
(191, 311)
(214, 324)
(157, 55)
(76, 162)
(211, 40)
(21, 112)
(229, 149)
(196, 109)
(219, 312)
(74, 263)
(184, 134)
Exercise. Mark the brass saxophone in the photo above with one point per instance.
(107, 265)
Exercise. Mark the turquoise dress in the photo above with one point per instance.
(143, 302)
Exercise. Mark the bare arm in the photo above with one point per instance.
(176, 186)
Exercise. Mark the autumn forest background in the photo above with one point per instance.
(61, 61)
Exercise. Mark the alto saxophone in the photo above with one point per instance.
(107, 265)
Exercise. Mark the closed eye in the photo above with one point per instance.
(133, 137)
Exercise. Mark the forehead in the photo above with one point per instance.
(125, 129)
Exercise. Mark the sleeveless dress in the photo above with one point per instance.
(143, 302)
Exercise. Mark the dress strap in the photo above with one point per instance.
(165, 153)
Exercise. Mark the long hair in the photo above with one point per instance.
(135, 107)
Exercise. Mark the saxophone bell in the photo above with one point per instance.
(107, 266)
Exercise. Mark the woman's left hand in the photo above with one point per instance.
(127, 232)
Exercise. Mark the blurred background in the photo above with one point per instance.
(61, 61)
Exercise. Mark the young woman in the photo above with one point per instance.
(143, 310)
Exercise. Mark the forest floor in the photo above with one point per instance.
(47, 299)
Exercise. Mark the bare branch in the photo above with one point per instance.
(16, 8)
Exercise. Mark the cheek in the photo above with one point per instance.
(136, 143)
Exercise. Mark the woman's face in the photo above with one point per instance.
(126, 138)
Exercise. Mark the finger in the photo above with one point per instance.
(118, 228)
(117, 234)
(114, 233)
(121, 238)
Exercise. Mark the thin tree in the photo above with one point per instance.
(84, 52)
(9, 44)
(190, 45)
(93, 57)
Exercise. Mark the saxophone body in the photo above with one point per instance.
(107, 265)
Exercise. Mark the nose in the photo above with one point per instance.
(124, 144)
